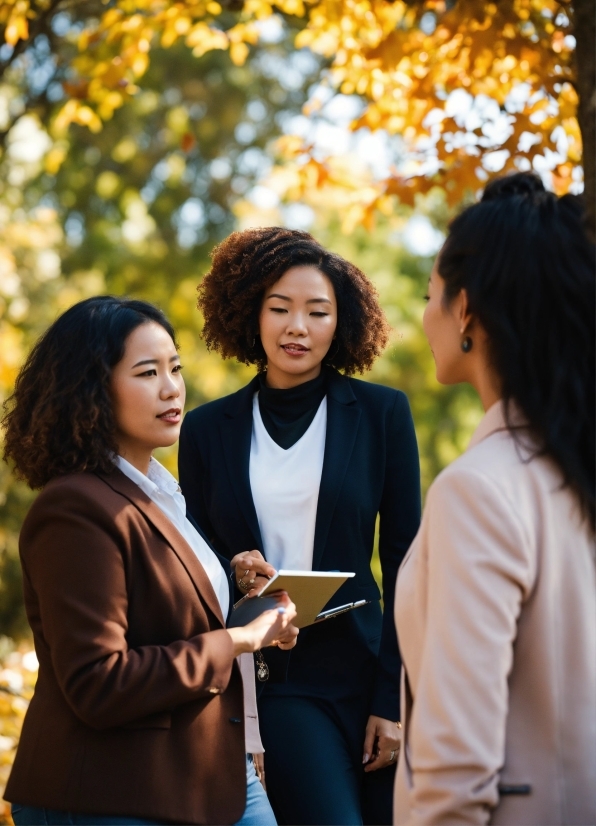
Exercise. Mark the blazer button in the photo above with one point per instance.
(235, 720)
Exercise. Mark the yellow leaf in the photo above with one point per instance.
(238, 53)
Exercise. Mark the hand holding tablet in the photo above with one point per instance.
(309, 590)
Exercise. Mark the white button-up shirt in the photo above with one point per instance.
(163, 489)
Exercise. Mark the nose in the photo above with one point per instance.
(296, 325)
(170, 388)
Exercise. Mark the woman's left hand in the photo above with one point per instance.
(388, 736)
(252, 572)
(259, 764)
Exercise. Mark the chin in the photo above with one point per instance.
(444, 378)
(295, 368)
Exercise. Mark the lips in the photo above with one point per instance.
(172, 415)
(293, 348)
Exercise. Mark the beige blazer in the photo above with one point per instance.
(496, 618)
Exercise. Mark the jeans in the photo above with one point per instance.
(258, 811)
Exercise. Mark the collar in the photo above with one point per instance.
(293, 403)
(338, 388)
(157, 478)
(494, 421)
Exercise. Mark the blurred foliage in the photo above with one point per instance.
(18, 673)
(135, 208)
(402, 58)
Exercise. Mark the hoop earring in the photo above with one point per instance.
(466, 344)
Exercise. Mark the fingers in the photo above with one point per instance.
(281, 618)
(369, 740)
(254, 562)
(273, 625)
(258, 585)
(388, 741)
(259, 764)
(287, 646)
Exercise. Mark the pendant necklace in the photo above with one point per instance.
(263, 668)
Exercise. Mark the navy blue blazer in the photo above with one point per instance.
(370, 468)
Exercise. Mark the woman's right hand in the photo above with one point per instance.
(273, 627)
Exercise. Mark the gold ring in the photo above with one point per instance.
(245, 585)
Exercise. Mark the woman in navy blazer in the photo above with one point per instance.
(276, 298)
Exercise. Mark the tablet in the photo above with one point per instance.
(309, 590)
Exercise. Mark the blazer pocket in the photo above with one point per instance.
(163, 719)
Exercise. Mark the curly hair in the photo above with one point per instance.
(59, 419)
(246, 263)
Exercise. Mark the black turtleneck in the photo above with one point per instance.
(287, 414)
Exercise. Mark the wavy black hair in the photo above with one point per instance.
(59, 419)
(528, 266)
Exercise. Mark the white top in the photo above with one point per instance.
(164, 490)
(285, 490)
(161, 487)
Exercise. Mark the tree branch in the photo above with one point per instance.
(39, 26)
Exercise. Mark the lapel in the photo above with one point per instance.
(343, 417)
(225, 563)
(236, 435)
(119, 482)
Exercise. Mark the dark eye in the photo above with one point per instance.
(278, 309)
(426, 297)
(151, 372)
(319, 314)
(178, 368)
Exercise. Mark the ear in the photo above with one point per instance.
(464, 316)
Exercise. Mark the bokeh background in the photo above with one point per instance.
(135, 136)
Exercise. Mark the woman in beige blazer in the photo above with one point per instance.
(496, 599)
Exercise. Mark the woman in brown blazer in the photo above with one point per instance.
(496, 599)
(138, 712)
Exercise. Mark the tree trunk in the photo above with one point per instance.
(585, 55)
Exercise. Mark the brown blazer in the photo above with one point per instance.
(138, 708)
(496, 616)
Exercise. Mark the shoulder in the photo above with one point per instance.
(486, 465)
(213, 411)
(376, 395)
(78, 496)
(79, 490)
(494, 482)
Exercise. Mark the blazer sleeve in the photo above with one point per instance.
(479, 570)
(191, 473)
(399, 522)
(77, 586)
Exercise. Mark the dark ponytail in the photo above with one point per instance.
(526, 262)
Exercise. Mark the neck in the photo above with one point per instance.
(138, 457)
(488, 386)
(280, 380)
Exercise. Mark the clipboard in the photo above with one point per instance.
(310, 591)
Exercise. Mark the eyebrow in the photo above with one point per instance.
(310, 300)
(151, 361)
